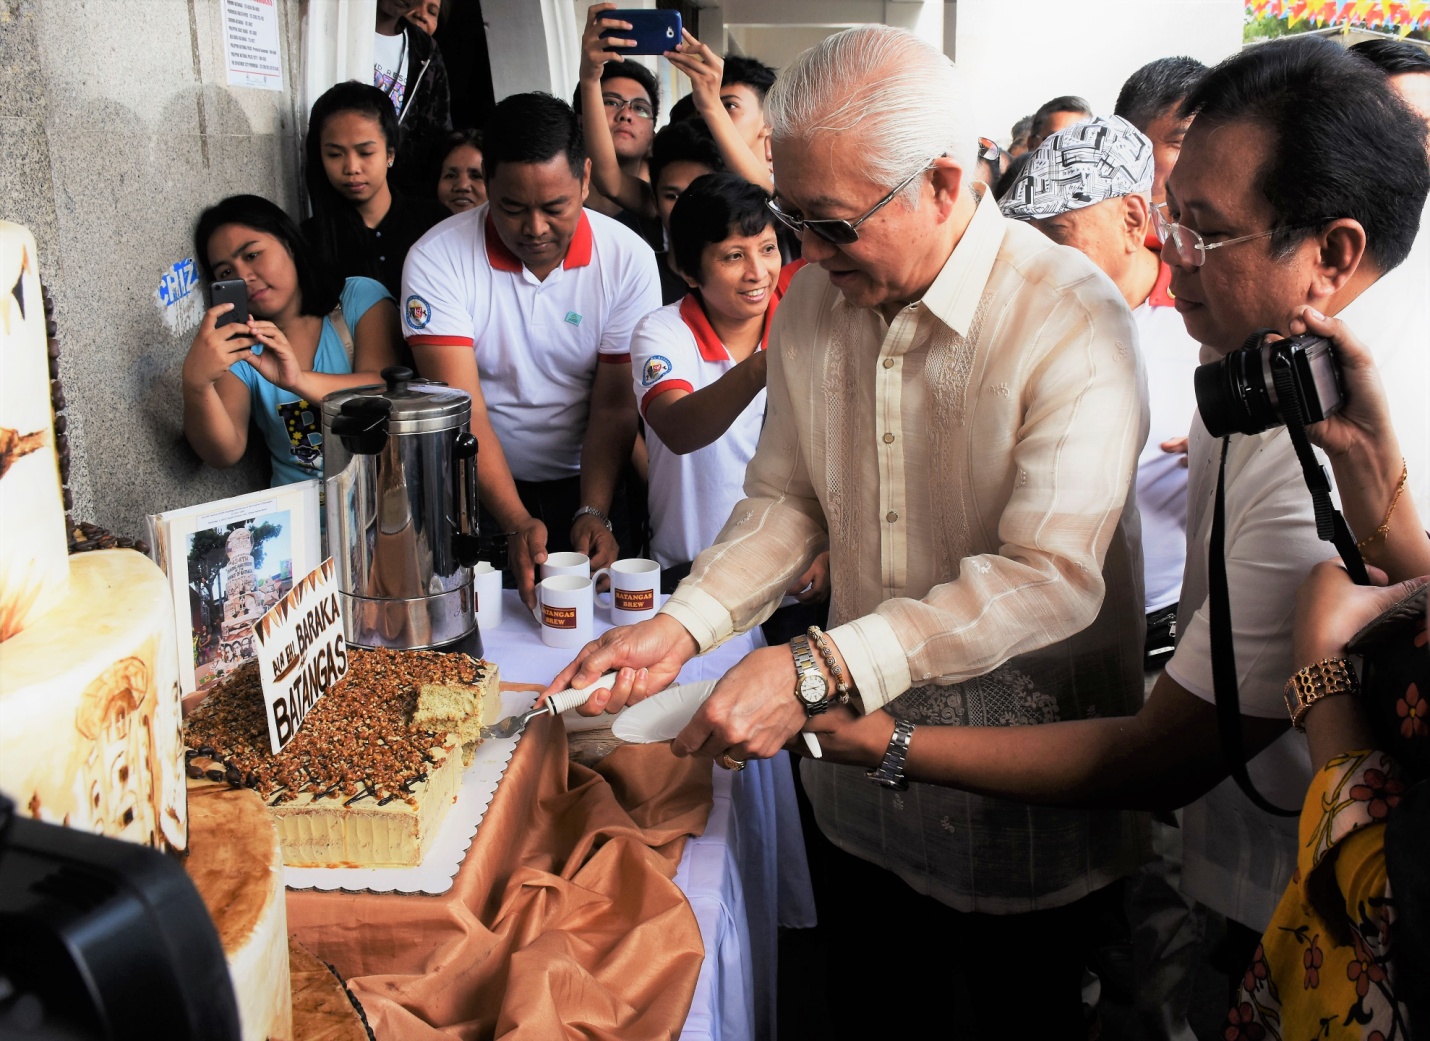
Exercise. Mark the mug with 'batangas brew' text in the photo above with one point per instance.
(635, 588)
(564, 608)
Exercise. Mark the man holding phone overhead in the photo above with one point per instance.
(618, 104)
(527, 303)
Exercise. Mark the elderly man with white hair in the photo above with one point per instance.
(956, 406)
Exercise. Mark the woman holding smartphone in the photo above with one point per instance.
(308, 334)
(360, 222)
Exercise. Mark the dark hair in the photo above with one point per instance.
(449, 144)
(1020, 131)
(337, 227)
(1065, 103)
(1011, 175)
(1393, 57)
(1341, 143)
(1156, 87)
(690, 141)
(713, 208)
(532, 128)
(317, 285)
(628, 70)
(683, 109)
(752, 72)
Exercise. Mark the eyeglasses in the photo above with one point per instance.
(1191, 249)
(842, 232)
(989, 151)
(615, 105)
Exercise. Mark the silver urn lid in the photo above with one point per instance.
(410, 404)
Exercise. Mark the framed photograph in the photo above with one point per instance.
(228, 562)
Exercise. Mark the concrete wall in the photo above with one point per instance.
(116, 128)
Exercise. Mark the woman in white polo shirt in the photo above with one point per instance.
(699, 364)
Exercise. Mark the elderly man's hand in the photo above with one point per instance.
(649, 655)
(752, 713)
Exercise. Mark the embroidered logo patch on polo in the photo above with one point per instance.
(418, 313)
(572, 318)
(657, 366)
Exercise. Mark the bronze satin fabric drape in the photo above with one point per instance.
(563, 920)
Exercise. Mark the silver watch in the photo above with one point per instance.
(811, 689)
(591, 511)
(890, 773)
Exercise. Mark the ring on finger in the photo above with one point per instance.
(729, 762)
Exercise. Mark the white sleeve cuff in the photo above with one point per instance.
(704, 617)
(877, 662)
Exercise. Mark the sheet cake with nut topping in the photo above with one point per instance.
(360, 785)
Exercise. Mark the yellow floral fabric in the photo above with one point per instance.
(1322, 969)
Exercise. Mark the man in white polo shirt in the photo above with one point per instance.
(528, 304)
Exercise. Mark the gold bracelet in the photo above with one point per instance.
(1384, 530)
(1323, 679)
(841, 686)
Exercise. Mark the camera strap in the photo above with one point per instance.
(1330, 527)
(1224, 678)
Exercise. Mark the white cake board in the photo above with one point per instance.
(444, 858)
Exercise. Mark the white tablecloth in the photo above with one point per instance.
(744, 878)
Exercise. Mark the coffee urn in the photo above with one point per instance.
(401, 489)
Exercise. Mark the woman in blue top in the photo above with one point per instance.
(279, 365)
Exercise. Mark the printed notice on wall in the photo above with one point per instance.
(250, 44)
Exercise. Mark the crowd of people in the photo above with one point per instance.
(817, 343)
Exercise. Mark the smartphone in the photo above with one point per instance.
(655, 32)
(234, 291)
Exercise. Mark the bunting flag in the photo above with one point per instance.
(1400, 16)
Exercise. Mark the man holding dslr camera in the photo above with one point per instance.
(1298, 192)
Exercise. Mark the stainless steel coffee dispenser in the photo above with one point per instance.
(401, 484)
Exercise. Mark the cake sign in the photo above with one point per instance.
(301, 652)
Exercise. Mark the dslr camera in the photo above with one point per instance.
(1254, 388)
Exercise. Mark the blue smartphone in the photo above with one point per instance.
(655, 32)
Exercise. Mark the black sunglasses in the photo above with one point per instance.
(842, 232)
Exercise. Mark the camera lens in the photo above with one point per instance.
(1232, 394)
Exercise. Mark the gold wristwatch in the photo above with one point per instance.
(1324, 678)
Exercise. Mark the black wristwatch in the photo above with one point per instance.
(890, 773)
(811, 689)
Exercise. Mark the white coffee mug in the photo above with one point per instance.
(486, 581)
(566, 564)
(563, 609)
(635, 589)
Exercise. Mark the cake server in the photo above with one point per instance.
(555, 705)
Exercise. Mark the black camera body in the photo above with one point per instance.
(1257, 387)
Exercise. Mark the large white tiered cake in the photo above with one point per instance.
(90, 728)
(89, 696)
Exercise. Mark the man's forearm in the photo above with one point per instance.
(1164, 757)
(610, 433)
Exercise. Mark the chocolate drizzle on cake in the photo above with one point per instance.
(355, 743)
